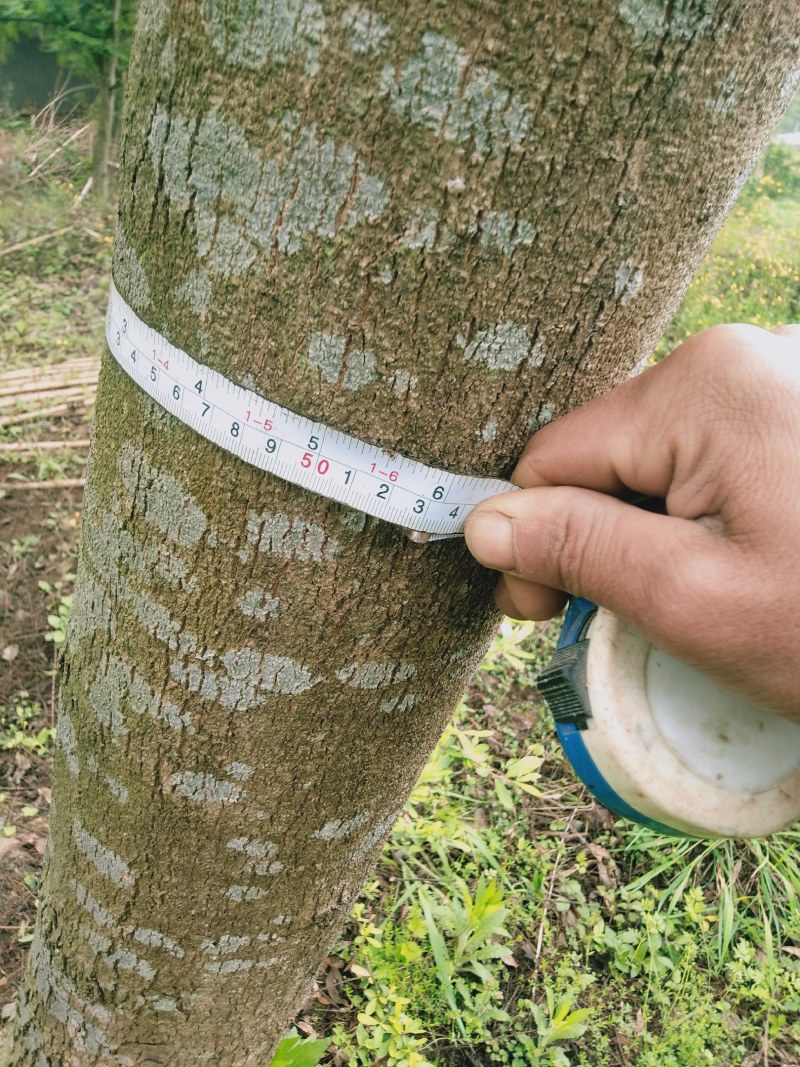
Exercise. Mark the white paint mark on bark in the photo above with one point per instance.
(106, 693)
(628, 281)
(441, 89)
(354, 520)
(163, 500)
(313, 188)
(258, 604)
(166, 61)
(230, 966)
(684, 19)
(489, 431)
(373, 838)
(375, 675)
(116, 787)
(119, 683)
(145, 701)
(150, 17)
(102, 916)
(504, 232)
(122, 957)
(253, 33)
(422, 231)
(337, 828)
(56, 991)
(224, 945)
(105, 860)
(68, 743)
(240, 771)
(156, 417)
(164, 1004)
(504, 347)
(496, 230)
(367, 29)
(540, 418)
(261, 855)
(33, 1040)
(246, 677)
(399, 705)
(103, 549)
(727, 98)
(790, 84)
(239, 893)
(155, 939)
(129, 274)
(204, 788)
(92, 612)
(252, 847)
(197, 291)
(326, 352)
(278, 535)
(404, 382)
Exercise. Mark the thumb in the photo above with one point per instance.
(652, 569)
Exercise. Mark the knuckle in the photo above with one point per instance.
(576, 545)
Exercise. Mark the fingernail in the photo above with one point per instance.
(490, 539)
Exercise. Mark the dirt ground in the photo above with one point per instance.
(38, 532)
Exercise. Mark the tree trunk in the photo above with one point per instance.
(434, 226)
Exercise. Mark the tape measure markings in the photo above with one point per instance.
(300, 450)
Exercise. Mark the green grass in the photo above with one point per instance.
(529, 930)
(752, 270)
(53, 290)
(19, 727)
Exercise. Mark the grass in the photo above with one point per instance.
(538, 931)
(752, 271)
(511, 920)
(51, 290)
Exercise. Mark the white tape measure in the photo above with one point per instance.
(659, 743)
(297, 449)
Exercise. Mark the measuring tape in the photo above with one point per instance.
(421, 499)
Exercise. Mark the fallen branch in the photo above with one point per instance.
(38, 388)
(36, 240)
(32, 447)
(57, 483)
(80, 364)
(35, 399)
(59, 409)
(55, 151)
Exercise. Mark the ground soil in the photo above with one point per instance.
(38, 531)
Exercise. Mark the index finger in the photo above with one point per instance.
(634, 436)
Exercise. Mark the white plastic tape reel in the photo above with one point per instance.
(680, 749)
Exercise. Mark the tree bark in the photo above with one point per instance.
(436, 227)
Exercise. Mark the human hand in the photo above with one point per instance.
(714, 429)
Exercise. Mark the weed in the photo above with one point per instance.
(18, 727)
(23, 546)
(293, 1051)
(59, 618)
